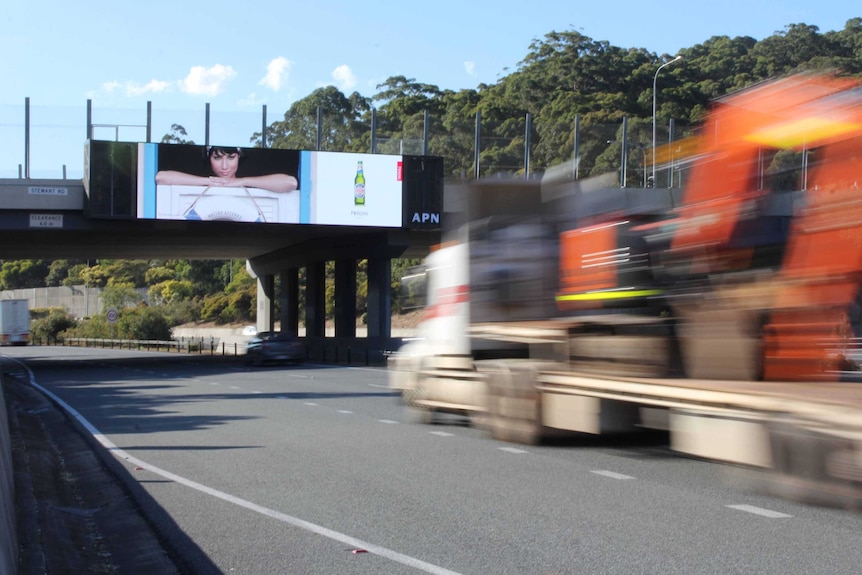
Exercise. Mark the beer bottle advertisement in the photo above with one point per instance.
(329, 174)
(359, 186)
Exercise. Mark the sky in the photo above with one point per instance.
(183, 54)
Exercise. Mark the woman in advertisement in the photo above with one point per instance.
(224, 163)
(230, 184)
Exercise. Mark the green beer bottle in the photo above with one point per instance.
(359, 186)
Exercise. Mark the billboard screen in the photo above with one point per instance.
(352, 189)
(110, 177)
(181, 182)
(205, 183)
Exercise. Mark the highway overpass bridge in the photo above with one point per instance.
(106, 217)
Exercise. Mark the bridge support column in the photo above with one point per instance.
(315, 299)
(379, 305)
(265, 304)
(289, 300)
(345, 298)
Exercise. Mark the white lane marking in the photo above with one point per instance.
(283, 517)
(256, 392)
(760, 511)
(442, 433)
(214, 383)
(234, 387)
(378, 385)
(387, 421)
(611, 474)
(310, 403)
(344, 411)
(512, 450)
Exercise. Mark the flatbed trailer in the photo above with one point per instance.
(805, 436)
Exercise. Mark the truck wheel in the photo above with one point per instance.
(420, 415)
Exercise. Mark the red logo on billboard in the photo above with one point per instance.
(400, 170)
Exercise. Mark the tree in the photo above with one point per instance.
(59, 270)
(789, 50)
(205, 275)
(403, 101)
(170, 291)
(76, 275)
(177, 135)
(342, 130)
(132, 272)
(120, 295)
(455, 131)
(22, 274)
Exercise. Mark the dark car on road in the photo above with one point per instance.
(274, 346)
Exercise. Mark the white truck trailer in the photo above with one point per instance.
(14, 322)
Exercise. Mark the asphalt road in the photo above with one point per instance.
(318, 470)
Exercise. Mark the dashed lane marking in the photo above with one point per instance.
(343, 538)
(760, 511)
(442, 433)
(611, 474)
(512, 450)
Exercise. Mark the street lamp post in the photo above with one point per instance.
(654, 81)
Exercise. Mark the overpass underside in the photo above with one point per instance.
(59, 227)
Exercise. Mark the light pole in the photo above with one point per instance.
(654, 81)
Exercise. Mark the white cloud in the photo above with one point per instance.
(132, 89)
(470, 67)
(249, 101)
(110, 87)
(344, 77)
(153, 86)
(207, 81)
(276, 73)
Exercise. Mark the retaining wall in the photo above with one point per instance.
(80, 301)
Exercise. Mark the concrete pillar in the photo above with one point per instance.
(345, 298)
(379, 305)
(265, 289)
(315, 299)
(289, 300)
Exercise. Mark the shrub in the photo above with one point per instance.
(213, 307)
(94, 327)
(143, 323)
(48, 324)
(182, 311)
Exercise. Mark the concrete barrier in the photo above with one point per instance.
(8, 524)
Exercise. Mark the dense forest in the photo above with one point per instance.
(565, 77)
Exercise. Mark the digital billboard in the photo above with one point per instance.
(263, 185)
(225, 183)
(352, 189)
(181, 182)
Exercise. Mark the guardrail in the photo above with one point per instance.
(347, 351)
(210, 346)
